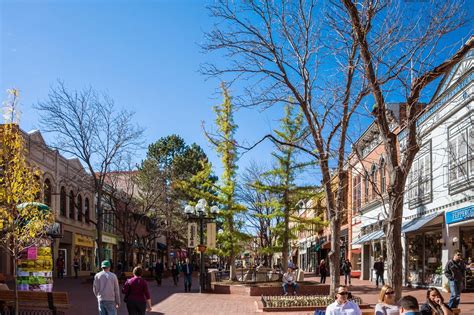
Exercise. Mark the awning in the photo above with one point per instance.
(361, 240)
(418, 223)
(356, 251)
(375, 236)
(369, 237)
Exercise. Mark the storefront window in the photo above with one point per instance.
(85, 255)
(424, 259)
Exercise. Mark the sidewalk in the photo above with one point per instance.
(169, 299)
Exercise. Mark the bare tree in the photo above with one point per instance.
(283, 50)
(259, 216)
(404, 54)
(87, 125)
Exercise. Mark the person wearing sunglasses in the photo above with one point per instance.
(342, 305)
(387, 304)
(455, 271)
(435, 304)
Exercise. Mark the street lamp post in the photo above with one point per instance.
(199, 213)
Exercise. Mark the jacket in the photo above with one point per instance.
(455, 271)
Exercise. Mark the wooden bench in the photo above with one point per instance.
(56, 302)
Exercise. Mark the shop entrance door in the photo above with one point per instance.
(63, 251)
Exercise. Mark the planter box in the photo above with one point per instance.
(255, 290)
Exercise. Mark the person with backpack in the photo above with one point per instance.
(346, 270)
(137, 294)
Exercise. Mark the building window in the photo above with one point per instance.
(79, 208)
(47, 192)
(461, 156)
(87, 210)
(374, 181)
(366, 187)
(383, 180)
(72, 212)
(356, 193)
(419, 178)
(63, 202)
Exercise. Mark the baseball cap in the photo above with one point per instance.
(105, 264)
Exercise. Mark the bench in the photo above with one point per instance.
(56, 302)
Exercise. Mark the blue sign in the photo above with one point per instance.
(460, 215)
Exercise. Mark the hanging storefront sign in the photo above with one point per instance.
(211, 235)
(460, 215)
(192, 235)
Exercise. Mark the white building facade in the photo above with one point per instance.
(439, 199)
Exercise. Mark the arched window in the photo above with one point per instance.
(383, 180)
(47, 192)
(79, 208)
(63, 202)
(87, 210)
(72, 212)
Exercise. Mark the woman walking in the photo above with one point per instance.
(323, 271)
(175, 273)
(137, 295)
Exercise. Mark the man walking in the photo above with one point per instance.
(106, 289)
(455, 271)
(60, 266)
(346, 269)
(188, 275)
(159, 268)
(379, 269)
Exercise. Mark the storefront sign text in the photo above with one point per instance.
(81, 240)
(109, 239)
(460, 215)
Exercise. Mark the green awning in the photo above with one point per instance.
(39, 205)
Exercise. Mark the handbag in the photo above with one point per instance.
(125, 298)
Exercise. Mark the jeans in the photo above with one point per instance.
(347, 277)
(323, 278)
(286, 285)
(379, 276)
(455, 298)
(107, 308)
(136, 308)
(187, 282)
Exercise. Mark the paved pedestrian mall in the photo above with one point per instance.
(169, 299)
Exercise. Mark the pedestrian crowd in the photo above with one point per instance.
(138, 300)
(136, 294)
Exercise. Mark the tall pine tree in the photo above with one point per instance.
(286, 192)
(230, 239)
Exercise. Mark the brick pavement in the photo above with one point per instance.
(169, 299)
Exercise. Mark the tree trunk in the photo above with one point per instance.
(100, 251)
(232, 269)
(335, 226)
(15, 289)
(286, 242)
(394, 243)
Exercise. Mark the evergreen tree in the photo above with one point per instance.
(230, 238)
(285, 191)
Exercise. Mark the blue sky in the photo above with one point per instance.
(145, 54)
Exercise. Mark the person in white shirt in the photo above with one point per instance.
(342, 305)
(289, 279)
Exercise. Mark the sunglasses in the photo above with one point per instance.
(389, 292)
(343, 293)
